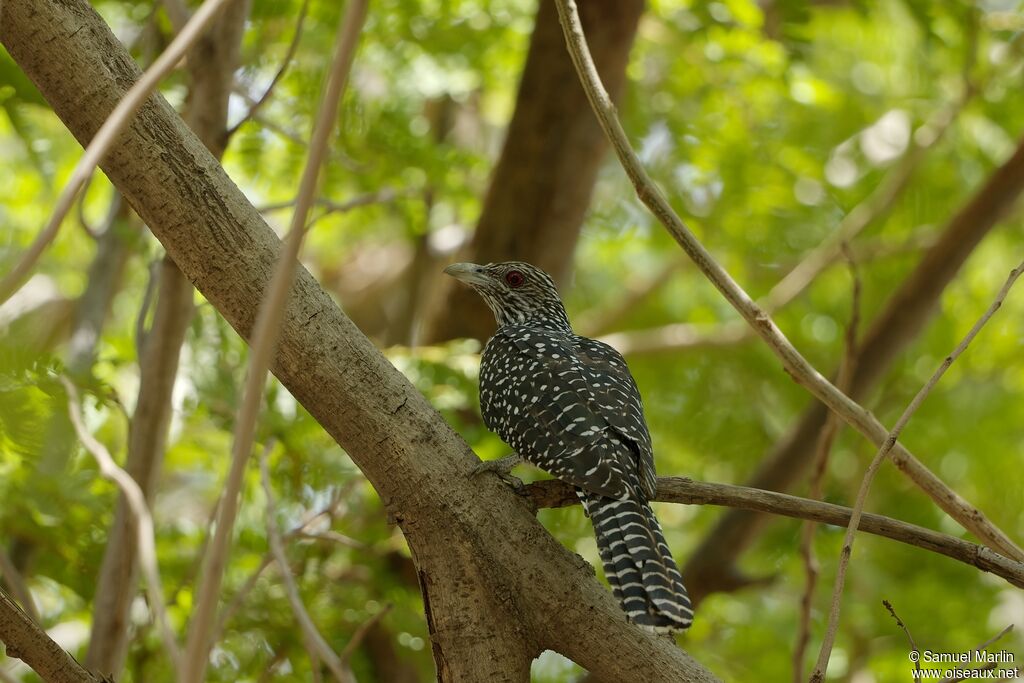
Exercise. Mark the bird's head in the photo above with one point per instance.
(516, 292)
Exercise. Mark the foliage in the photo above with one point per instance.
(765, 123)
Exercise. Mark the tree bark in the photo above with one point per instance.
(540, 189)
(499, 589)
(712, 567)
(25, 640)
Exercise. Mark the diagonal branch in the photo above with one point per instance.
(106, 136)
(28, 642)
(883, 452)
(293, 46)
(466, 536)
(793, 362)
(318, 646)
(263, 345)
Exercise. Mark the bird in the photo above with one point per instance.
(570, 406)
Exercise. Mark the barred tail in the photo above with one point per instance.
(638, 564)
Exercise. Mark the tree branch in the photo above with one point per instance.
(143, 522)
(818, 674)
(26, 641)
(106, 136)
(212, 61)
(901, 320)
(263, 344)
(793, 362)
(255, 107)
(552, 493)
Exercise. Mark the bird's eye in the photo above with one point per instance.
(514, 278)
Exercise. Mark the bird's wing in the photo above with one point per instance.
(561, 411)
(613, 384)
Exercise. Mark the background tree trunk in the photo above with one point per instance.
(540, 189)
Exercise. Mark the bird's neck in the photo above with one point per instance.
(559, 324)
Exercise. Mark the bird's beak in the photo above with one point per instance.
(470, 273)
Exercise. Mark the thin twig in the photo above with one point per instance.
(793, 362)
(913, 645)
(264, 338)
(289, 55)
(826, 438)
(988, 667)
(145, 535)
(238, 598)
(554, 493)
(360, 633)
(883, 452)
(683, 336)
(382, 196)
(105, 137)
(320, 648)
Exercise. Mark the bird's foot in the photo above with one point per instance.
(501, 467)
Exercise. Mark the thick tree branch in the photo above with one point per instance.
(554, 493)
(468, 538)
(793, 362)
(29, 643)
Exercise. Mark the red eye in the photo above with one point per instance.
(514, 278)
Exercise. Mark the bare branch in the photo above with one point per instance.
(382, 196)
(143, 521)
(263, 343)
(554, 493)
(821, 457)
(239, 597)
(876, 463)
(793, 362)
(319, 648)
(289, 55)
(106, 136)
